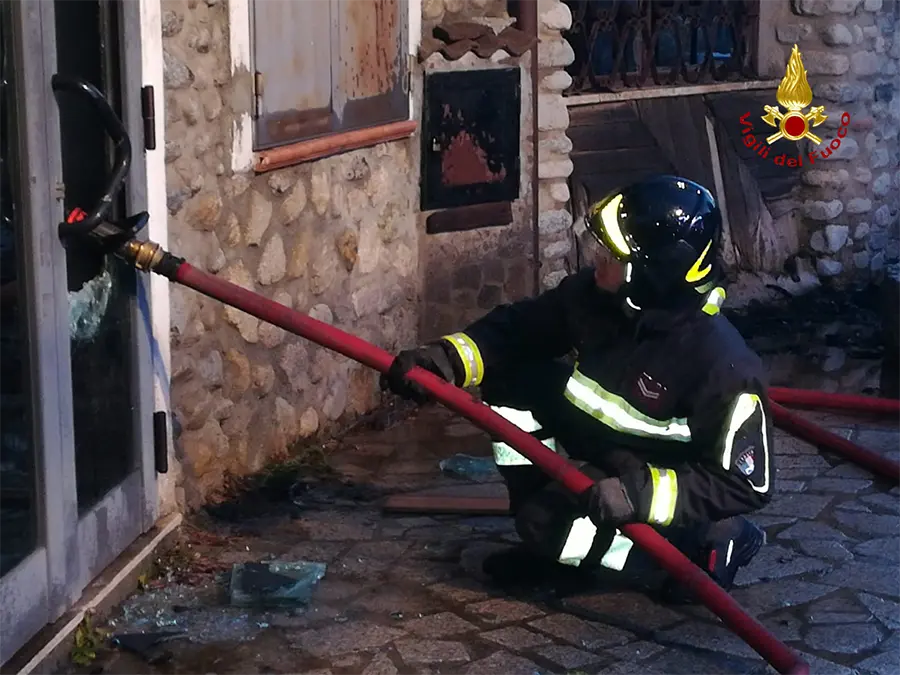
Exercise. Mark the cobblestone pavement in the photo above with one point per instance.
(405, 594)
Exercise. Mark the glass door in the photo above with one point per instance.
(101, 292)
(24, 553)
(77, 479)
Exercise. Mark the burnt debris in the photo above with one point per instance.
(849, 319)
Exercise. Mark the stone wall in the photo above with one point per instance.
(465, 274)
(335, 238)
(554, 165)
(851, 50)
(437, 11)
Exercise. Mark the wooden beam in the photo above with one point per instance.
(445, 504)
(494, 214)
(669, 92)
(727, 246)
(344, 141)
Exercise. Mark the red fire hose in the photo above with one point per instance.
(806, 398)
(808, 431)
(783, 659)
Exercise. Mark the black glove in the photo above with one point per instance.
(607, 503)
(435, 357)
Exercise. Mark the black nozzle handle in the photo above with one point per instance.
(122, 144)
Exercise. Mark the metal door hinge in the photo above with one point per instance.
(160, 442)
(407, 80)
(148, 114)
(258, 86)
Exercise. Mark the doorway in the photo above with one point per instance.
(77, 485)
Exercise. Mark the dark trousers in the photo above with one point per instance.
(550, 520)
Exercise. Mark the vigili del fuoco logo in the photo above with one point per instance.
(793, 124)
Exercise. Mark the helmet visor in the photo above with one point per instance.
(602, 221)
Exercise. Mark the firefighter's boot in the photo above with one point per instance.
(731, 544)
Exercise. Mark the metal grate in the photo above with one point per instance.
(622, 44)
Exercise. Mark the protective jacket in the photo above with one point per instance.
(680, 393)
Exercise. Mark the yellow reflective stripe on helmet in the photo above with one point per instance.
(665, 495)
(470, 357)
(714, 301)
(616, 413)
(744, 407)
(695, 273)
(609, 222)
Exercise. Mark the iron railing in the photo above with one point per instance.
(621, 44)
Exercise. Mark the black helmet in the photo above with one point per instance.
(667, 229)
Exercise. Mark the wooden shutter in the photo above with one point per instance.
(326, 66)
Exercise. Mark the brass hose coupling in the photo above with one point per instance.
(144, 255)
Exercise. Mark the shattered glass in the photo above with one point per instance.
(198, 612)
(274, 584)
(87, 306)
(254, 594)
(480, 469)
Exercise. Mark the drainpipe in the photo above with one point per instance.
(526, 13)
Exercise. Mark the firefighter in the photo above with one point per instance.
(628, 367)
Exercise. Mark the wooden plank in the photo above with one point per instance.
(618, 161)
(761, 243)
(774, 181)
(463, 505)
(611, 136)
(738, 208)
(733, 105)
(774, 188)
(612, 147)
(727, 112)
(600, 185)
(679, 127)
(666, 91)
(472, 217)
(592, 115)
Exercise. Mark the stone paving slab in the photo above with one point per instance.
(404, 593)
